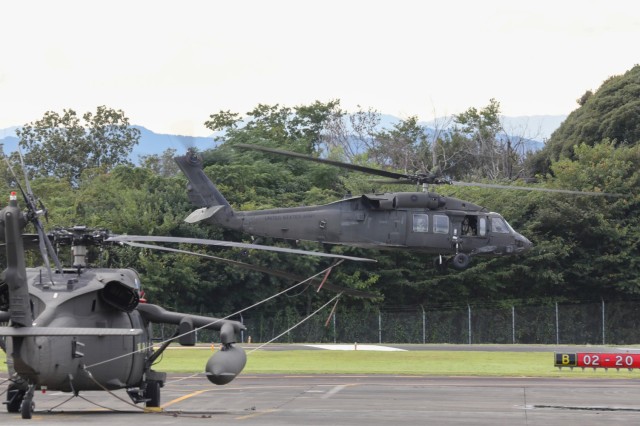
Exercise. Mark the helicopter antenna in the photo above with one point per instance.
(33, 216)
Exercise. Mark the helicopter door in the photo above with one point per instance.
(440, 238)
(501, 235)
(418, 234)
(474, 232)
(393, 223)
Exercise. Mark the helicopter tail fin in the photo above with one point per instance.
(201, 191)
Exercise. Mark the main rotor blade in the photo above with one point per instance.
(46, 248)
(24, 171)
(355, 167)
(44, 244)
(153, 239)
(417, 178)
(275, 272)
(394, 182)
(531, 188)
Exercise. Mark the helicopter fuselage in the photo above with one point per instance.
(95, 299)
(414, 221)
(417, 221)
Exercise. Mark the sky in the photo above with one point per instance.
(170, 65)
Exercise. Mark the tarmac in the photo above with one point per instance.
(354, 400)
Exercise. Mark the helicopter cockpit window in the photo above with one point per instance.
(440, 224)
(499, 226)
(420, 223)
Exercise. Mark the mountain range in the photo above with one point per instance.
(534, 130)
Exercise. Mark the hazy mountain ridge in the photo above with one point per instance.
(150, 143)
(156, 143)
(532, 130)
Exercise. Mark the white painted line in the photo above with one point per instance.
(357, 347)
(333, 391)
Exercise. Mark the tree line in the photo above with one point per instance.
(585, 248)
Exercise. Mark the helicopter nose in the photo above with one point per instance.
(523, 244)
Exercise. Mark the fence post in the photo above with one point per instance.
(335, 334)
(379, 327)
(469, 308)
(424, 325)
(241, 331)
(603, 335)
(513, 325)
(557, 326)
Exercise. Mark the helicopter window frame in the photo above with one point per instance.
(482, 226)
(420, 222)
(441, 224)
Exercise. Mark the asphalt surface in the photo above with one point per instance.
(355, 400)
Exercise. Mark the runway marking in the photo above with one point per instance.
(199, 392)
(334, 391)
(182, 398)
(257, 414)
(357, 347)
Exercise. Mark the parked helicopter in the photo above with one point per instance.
(78, 329)
(451, 228)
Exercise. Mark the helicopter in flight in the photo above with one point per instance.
(80, 328)
(452, 229)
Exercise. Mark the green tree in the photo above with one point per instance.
(63, 145)
(612, 112)
(486, 153)
(350, 135)
(162, 164)
(299, 128)
(404, 147)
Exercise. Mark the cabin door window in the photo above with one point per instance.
(440, 224)
(420, 222)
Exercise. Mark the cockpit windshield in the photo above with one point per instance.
(500, 226)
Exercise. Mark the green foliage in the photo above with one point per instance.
(161, 164)
(63, 145)
(405, 147)
(479, 148)
(612, 112)
(298, 128)
(584, 247)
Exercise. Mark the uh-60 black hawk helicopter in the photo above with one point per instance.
(84, 329)
(453, 229)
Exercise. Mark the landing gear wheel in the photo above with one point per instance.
(152, 393)
(461, 261)
(14, 399)
(27, 407)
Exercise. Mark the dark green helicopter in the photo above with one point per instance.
(453, 229)
(82, 328)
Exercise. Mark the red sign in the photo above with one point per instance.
(597, 360)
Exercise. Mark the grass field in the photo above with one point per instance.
(435, 363)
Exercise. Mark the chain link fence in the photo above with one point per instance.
(557, 323)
